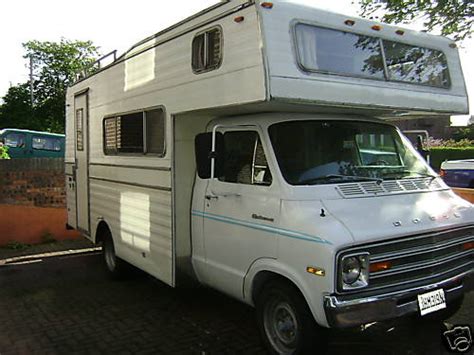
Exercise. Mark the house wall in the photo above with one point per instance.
(32, 201)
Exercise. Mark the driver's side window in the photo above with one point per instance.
(245, 161)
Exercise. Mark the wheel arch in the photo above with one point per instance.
(265, 270)
(101, 230)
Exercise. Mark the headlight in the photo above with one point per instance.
(354, 271)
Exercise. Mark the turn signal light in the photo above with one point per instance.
(349, 22)
(400, 32)
(239, 19)
(376, 27)
(442, 173)
(266, 5)
(380, 266)
(468, 246)
(316, 271)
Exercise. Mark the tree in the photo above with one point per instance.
(55, 66)
(16, 110)
(451, 17)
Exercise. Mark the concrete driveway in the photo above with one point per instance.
(68, 305)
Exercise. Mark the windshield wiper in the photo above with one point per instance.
(331, 177)
(411, 172)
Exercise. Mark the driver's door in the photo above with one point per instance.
(241, 208)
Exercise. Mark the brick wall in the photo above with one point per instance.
(35, 182)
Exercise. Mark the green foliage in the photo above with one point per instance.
(16, 110)
(452, 17)
(4, 151)
(17, 245)
(48, 238)
(440, 154)
(451, 143)
(55, 65)
(464, 133)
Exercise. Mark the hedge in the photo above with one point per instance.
(440, 154)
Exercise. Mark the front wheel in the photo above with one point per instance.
(286, 323)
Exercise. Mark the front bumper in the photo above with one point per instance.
(343, 312)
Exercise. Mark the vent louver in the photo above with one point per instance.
(361, 189)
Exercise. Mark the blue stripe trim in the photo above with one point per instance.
(262, 227)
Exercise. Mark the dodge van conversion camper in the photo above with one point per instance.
(249, 147)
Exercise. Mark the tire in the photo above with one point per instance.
(286, 323)
(117, 268)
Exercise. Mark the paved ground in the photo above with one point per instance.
(68, 305)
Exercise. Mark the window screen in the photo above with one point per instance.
(130, 133)
(207, 51)
(136, 133)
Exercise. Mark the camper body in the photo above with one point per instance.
(347, 231)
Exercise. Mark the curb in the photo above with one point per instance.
(26, 259)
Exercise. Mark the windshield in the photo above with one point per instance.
(318, 152)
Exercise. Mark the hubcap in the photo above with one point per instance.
(281, 326)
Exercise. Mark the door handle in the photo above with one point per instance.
(216, 196)
(231, 195)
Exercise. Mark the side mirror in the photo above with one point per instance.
(419, 147)
(204, 154)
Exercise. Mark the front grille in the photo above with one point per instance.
(418, 259)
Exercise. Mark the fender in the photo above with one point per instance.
(286, 271)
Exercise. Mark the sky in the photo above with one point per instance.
(118, 24)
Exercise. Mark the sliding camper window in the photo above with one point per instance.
(332, 51)
(135, 133)
(207, 50)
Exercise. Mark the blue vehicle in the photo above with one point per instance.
(24, 143)
(458, 173)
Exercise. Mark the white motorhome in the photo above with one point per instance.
(249, 147)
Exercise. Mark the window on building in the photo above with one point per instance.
(46, 143)
(135, 133)
(15, 140)
(245, 161)
(207, 50)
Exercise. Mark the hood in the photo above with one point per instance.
(377, 218)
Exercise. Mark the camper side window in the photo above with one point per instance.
(207, 51)
(135, 133)
(79, 129)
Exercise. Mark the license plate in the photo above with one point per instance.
(431, 301)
